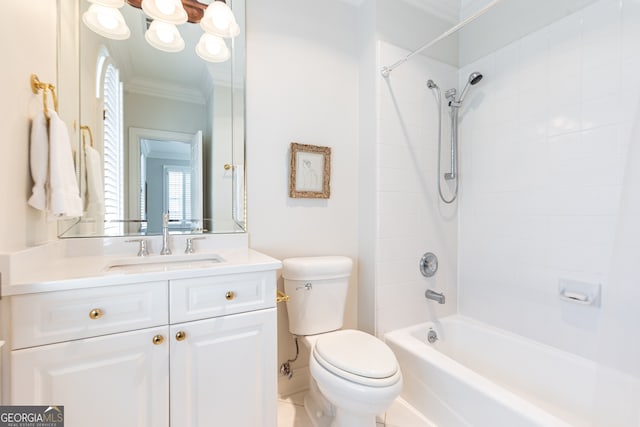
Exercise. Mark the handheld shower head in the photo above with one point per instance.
(474, 78)
(431, 84)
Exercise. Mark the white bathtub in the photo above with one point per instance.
(477, 375)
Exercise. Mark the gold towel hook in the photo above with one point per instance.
(88, 129)
(37, 86)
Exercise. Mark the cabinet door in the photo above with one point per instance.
(223, 371)
(115, 380)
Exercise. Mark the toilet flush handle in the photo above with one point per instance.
(308, 286)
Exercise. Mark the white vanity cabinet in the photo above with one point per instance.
(185, 352)
(112, 380)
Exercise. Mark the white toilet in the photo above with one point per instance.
(355, 375)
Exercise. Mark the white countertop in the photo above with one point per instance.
(40, 271)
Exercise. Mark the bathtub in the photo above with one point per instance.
(478, 375)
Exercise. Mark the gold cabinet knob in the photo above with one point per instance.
(158, 339)
(96, 313)
(227, 166)
(230, 295)
(181, 335)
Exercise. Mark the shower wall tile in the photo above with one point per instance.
(541, 190)
(411, 221)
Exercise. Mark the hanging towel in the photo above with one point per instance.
(64, 196)
(95, 187)
(238, 189)
(39, 161)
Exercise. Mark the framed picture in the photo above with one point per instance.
(310, 171)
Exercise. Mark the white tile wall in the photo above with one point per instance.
(544, 140)
(410, 219)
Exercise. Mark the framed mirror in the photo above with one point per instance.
(157, 131)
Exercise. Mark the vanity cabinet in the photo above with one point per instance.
(190, 352)
(112, 380)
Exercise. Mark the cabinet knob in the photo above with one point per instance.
(230, 295)
(96, 313)
(158, 339)
(181, 335)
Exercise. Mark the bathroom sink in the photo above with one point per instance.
(163, 263)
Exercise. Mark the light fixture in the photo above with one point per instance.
(106, 20)
(170, 11)
(219, 20)
(164, 36)
(212, 48)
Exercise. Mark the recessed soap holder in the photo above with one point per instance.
(579, 292)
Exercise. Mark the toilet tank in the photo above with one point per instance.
(317, 287)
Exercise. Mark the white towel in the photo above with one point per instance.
(238, 189)
(95, 186)
(64, 196)
(39, 160)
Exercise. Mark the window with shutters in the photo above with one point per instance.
(177, 195)
(113, 150)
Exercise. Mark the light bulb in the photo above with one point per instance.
(167, 7)
(219, 20)
(213, 46)
(164, 37)
(170, 11)
(165, 33)
(107, 19)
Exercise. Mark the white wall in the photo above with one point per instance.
(20, 225)
(411, 220)
(544, 141)
(302, 86)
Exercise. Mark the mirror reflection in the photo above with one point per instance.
(163, 126)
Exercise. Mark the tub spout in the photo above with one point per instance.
(433, 295)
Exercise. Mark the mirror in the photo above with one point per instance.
(157, 131)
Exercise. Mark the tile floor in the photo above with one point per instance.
(291, 414)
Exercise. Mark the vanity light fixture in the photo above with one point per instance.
(169, 11)
(104, 18)
(216, 19)
(212, 48)
(164, 36)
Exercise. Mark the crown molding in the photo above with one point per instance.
(165, 90)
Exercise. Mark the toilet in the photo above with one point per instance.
(355, 376)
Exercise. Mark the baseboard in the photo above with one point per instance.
(298, 382)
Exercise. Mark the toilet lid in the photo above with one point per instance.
(356, 353)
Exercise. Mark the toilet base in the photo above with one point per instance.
(317, 417)
(345, 419)
(320, 417)
(317, 407)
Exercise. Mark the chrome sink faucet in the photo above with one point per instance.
(165, 235)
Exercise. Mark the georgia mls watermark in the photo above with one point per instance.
(31, 416)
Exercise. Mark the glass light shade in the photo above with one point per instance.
(106, 21)
(218, 20)
(170, 11)
(212, 48)
(109, 3)
(164, 36)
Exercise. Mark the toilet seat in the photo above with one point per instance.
(358, 357)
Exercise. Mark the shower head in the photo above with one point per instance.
(431, 84)
(474, 78)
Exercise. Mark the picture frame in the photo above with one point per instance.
(310, 171)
